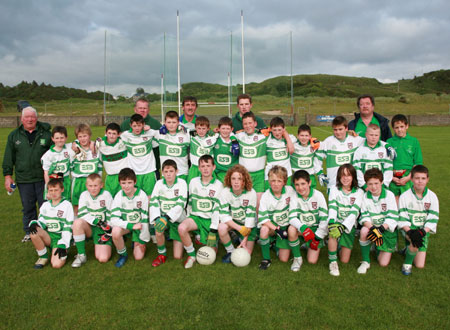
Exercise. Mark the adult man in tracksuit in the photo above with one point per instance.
(24, 149)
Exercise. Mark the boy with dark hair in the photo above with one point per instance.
(226, 149)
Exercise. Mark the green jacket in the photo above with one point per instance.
(25, 158)
(237, 122)
(149, 120)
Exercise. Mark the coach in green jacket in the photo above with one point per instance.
(24, 149)
(244, 104)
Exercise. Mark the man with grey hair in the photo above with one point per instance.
(24, 149)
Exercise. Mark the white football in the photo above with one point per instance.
(206, 255)
(240, 257)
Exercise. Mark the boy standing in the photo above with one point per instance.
(53, 227)
(419, 215)
(226, 149)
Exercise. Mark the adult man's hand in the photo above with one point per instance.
(8, 181)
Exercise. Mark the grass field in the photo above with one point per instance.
(222, 296)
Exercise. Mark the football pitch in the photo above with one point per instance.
(222, 296)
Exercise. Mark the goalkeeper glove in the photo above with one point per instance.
(235, 148)
(323, 180)
(104, 238)
(105, 227)
(416, 236)
(61, 253)
(376, 235)
(163, 130)
(281, 233)
(336, 230)
(265, 131)
(33, 228)
(244, 231)
(315, 143)
(161, 223)
(315, 243)
(210, 133)
(308, 234)
(212, 238)
(390, 151)
(182, 128)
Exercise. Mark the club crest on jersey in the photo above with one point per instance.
(176, 192)
(380, 155)
(383, 207)
(66, 154)
(352, 200)
(180, 139)
(427, 206)
(350, 145)
(139, 204)
(18, 142)
(255, 138)
(314, 205)
(288, 200)
(102, 203)
(208, 142)
(145, 138)
(245, 202)
(60, 213)
(211, 193)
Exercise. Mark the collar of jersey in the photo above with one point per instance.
(382, 195)
(51, 202)
(99, 193)
(423, 195)
(135, 193)
(184, 121)
(354, 189)
(174, 183)
(273, 137)
(52, 148)
(376, 146)
(131, 131)
(346, 136)
(210, 182)
(105, 139)
(242, 193)
(283, 191)
(311, 192)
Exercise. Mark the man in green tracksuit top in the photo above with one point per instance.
(24, 149)
(244, 103)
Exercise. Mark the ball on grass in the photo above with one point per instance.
(206, 255)
(240, 257)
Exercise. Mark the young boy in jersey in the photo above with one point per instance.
(280, 144)
(129, 216)
(273, 215)
(202, 143)
(113, 154)
(304, 156)
(58, 159)
(379, 218)
(203, 209)
(372, 154)
(337, 149)
(167, 206)
(53, 227)
(344, 207)
(253, 152)
(226, 149)
(84, 163)
(93, 221)
(307, 219)
(141, 159)
(237, 210)
(174, 143)
(418, 218)
(408, 152)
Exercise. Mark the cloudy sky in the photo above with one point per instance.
(62, 42)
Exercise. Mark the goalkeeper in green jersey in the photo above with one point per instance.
(226, 149)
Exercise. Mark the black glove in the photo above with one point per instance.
(105, 227)
(281, 233)
(61, 253)
(33, 228)
(416, 236)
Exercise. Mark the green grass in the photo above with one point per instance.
(222, 296)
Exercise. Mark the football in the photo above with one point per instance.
(206, 255)
(240, 257)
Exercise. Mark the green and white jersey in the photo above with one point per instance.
(57, 219)
(94, 209)
(276, 209)
(189, 125)
(175, 147)
(169, 200)
(380, 210)
(140, 150)
(204, 200)
(88, 164)
(366, 158)
(58, 161)
(304, 158)
(418, 212)
(201, 146)
(344, 208)
(277, 154)
(223, 158)
(253, 151)
(310, 212)
(337, 153)
(239, 208)
(113, 156)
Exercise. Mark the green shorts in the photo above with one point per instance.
(112, 184)
(203, 227)
(348, 240)
(424, 248)
(78, 186)
(146, 182)
(389, 241)
(173, 231)
(398, 190)
(183, 176)
(282, 243)
(302, 240)
(97, 233)
(289, 183)
(134, 234)
(194, 172)
(258, 180)
(220, 175)
(54, 238)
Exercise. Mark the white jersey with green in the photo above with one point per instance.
(204, 200)
(380, 210)
(276, 209)
(175, 147)
(88, 164)
(344, 207)
(418, 212)
(304, 158)
(58, 161)
(253, 151)
(93, 209)
(140, 150)
(169, 200)
(277, 154)
(201, 146)
(239, 208)
(366, 158)
(310, 212)
(57, 219)
(337, 153)
(113, 156)
(128, 211)
(223, 158)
